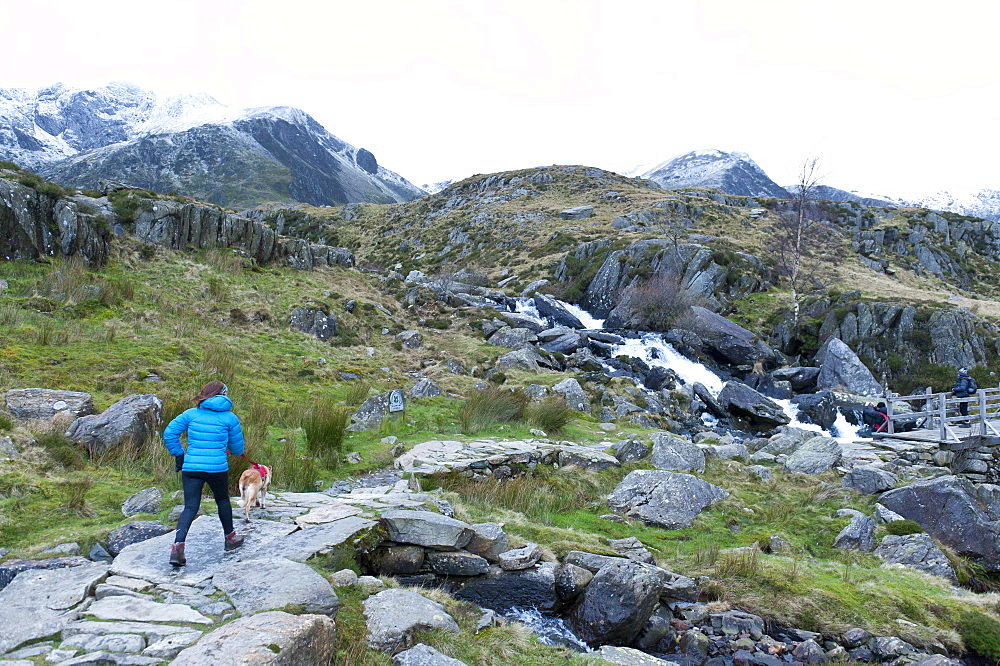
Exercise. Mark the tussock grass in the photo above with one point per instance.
(75, 495)
(490, 406)
(551, 415)
(325, 425)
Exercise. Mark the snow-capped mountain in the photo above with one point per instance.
(733, 173)
(984, 203)
(190, 144)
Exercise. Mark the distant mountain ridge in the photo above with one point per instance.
(733, 173)
(191, 144)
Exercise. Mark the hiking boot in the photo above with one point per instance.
(233, 540)
(177, 555)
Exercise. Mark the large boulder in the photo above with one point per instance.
(550, 308)
(742, 401)
(372, 411)
(801, 379)
(427, 529)
(665, 499)
(501, 590)
(286, 583)
(857, 535)
(841, 369)
(273, 638)
(617, 603)
(144, 501)
(676, 454)
(916, 551)
(395, 615)
(869, 479)
(815, 456)
(523, 359)
(133, 420)
(726, 340)
(570, 389)
(951, 511)
(313, 321)
(513, 338)
(37, 403)
(817, 408)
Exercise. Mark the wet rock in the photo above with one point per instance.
(395, 615)
(741, 400)
(726, 339)
(571, 580)
(665, 499)
(273, 638)
(457, 563)
(286, 582)
(801, 379)
(617, 603)
(676, 454)
(550, 308)
(500, 590)
(144, 501)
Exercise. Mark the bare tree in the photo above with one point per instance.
(804, 245)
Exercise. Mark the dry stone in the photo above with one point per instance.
(144, 501)
(298, 639)
(144, 610)
(286, 582)
(427, 529)
(676, 454)
(665, 499)
(134, 420)
(916, 551)
(38, 403)
(395, 615)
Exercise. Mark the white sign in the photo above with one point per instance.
(397, 401)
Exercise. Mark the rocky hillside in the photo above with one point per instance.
(643, 489)
(189, 144)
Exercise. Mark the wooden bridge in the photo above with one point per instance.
(936, 419)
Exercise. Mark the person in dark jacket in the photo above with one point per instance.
(874, 416)
(212, 430)
(964, 387)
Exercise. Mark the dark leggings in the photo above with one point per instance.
(193, 483)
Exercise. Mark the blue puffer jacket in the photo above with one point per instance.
(211, 429)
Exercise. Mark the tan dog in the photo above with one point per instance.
(253, 487)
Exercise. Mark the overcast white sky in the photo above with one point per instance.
(900, 98)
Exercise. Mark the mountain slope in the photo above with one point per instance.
(733, 173)
(191, 144)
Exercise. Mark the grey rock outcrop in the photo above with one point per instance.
(857, 535)
(916, 551)
(424, 655)
(395, 615)
(740, 400)
(869, 479)
(676, 454)
(842, 369)
(133, 420)
(286, 582)
(427, 529)
(815, 456)
(513, 338)
(950, 510)
(488, 540)
(666, 499)
(425, 388)
(313, 321)
(570, 389)
(144, 501)
(724, 339)
(617, 603)
(273, 638)
(372, 412)
(38, 403)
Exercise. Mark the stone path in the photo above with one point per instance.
(140, 610)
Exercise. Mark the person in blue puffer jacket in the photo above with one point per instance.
(212, 430)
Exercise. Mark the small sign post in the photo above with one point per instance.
(397, 401)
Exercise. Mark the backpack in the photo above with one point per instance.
(964, 387)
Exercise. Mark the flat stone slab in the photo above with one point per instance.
(266, 639)
(38, 603)
(144, 610)
(205, 552)
(444, 456)
(318, 540)
(327, 513)
(426, 528)
(153, 632)
(424, 655)
(275, 582)
(394, 615)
